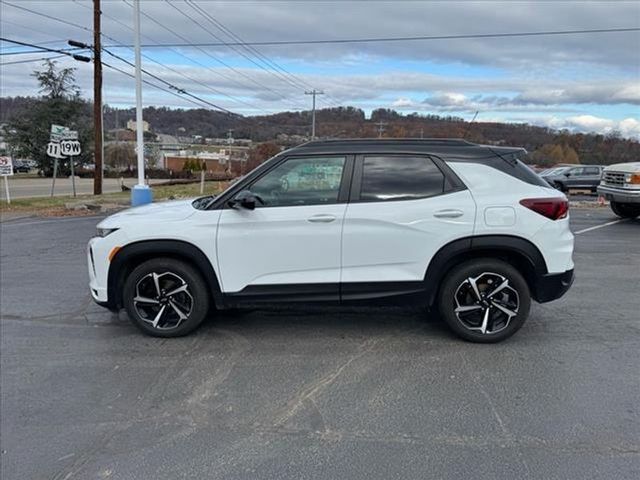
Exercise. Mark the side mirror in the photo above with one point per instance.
(568, 174)
(246, 199)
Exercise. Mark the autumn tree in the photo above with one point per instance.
(60, 104)
(260, 153)
(552, 154)
(120, 155)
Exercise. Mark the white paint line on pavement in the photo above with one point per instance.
(585, 230)
(91, 217)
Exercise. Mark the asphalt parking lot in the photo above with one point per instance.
(320, 394)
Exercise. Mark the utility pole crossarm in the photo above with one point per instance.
(313, 92)
(381, 126)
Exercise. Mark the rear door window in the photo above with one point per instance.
(392, 178)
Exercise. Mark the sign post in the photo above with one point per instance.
(6, 169)
(63, 143)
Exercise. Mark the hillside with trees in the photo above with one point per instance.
(546, 146)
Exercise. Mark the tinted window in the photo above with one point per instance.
(301, 181)
(591, 171)
(577, 172)
(399, 178)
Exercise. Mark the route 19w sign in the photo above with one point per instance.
(63, 142)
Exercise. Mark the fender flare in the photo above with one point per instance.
(462, 249)
(148, 249)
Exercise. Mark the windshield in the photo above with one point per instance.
(554, 171)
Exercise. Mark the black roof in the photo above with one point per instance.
(445, 147)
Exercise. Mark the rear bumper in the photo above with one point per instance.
(619, 194)
(552, 286)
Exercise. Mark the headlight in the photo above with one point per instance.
(103, 232)
(632, 178)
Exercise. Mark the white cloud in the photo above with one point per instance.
(628, 127)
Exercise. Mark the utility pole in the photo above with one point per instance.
(97, 101)
(381, 126)
(313, 92)
(230, 136)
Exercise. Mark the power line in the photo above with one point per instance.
(53, 57)
(29, 52)
(146, 82)
(281, 71)
(177, 72)
(215, 72)
(170, 85)
(80, 58)
(404, 39)
(262, 86)
(50, 17)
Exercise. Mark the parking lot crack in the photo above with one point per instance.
(312, 391)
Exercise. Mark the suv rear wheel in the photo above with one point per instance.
(625, 210)
(484, 300)
(165, 297)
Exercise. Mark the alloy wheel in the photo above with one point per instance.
(163, 300)
(486, 303)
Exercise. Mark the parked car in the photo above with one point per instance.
(621, 186)
(583, 177)
(552, 171)
(20, 167)
(466, 230)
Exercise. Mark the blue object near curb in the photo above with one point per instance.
(141, 195)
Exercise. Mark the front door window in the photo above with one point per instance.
(301, 181)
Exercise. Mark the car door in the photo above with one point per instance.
(402, 210)
(290, 244)
(591, 177)
(575, 177)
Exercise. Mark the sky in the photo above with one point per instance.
(586, 82)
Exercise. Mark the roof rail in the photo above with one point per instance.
(422, 141)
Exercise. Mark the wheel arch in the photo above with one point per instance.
(516, 251)
(133, 254)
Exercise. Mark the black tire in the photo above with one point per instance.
(625, 210)
(193, 302)
(457, 291)
(560, 186)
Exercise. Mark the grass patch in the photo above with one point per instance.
(55, 206)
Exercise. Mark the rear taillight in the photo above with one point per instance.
(552, 208)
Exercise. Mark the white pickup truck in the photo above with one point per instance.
(620, 185)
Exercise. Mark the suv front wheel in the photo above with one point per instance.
(484, 300)
(165, 297)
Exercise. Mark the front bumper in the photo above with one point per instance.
(97, 282)
(552, 286)
(620, 195)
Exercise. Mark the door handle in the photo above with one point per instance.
(321, 218)
(448, 213)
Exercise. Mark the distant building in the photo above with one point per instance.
(131, 125)
(217, 163)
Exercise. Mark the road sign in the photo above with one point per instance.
(70, 135)
(6, 166)
(59, 133)
(54, 150)
(70, 148)
(6, 169)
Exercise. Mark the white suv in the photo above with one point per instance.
(466, 230)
